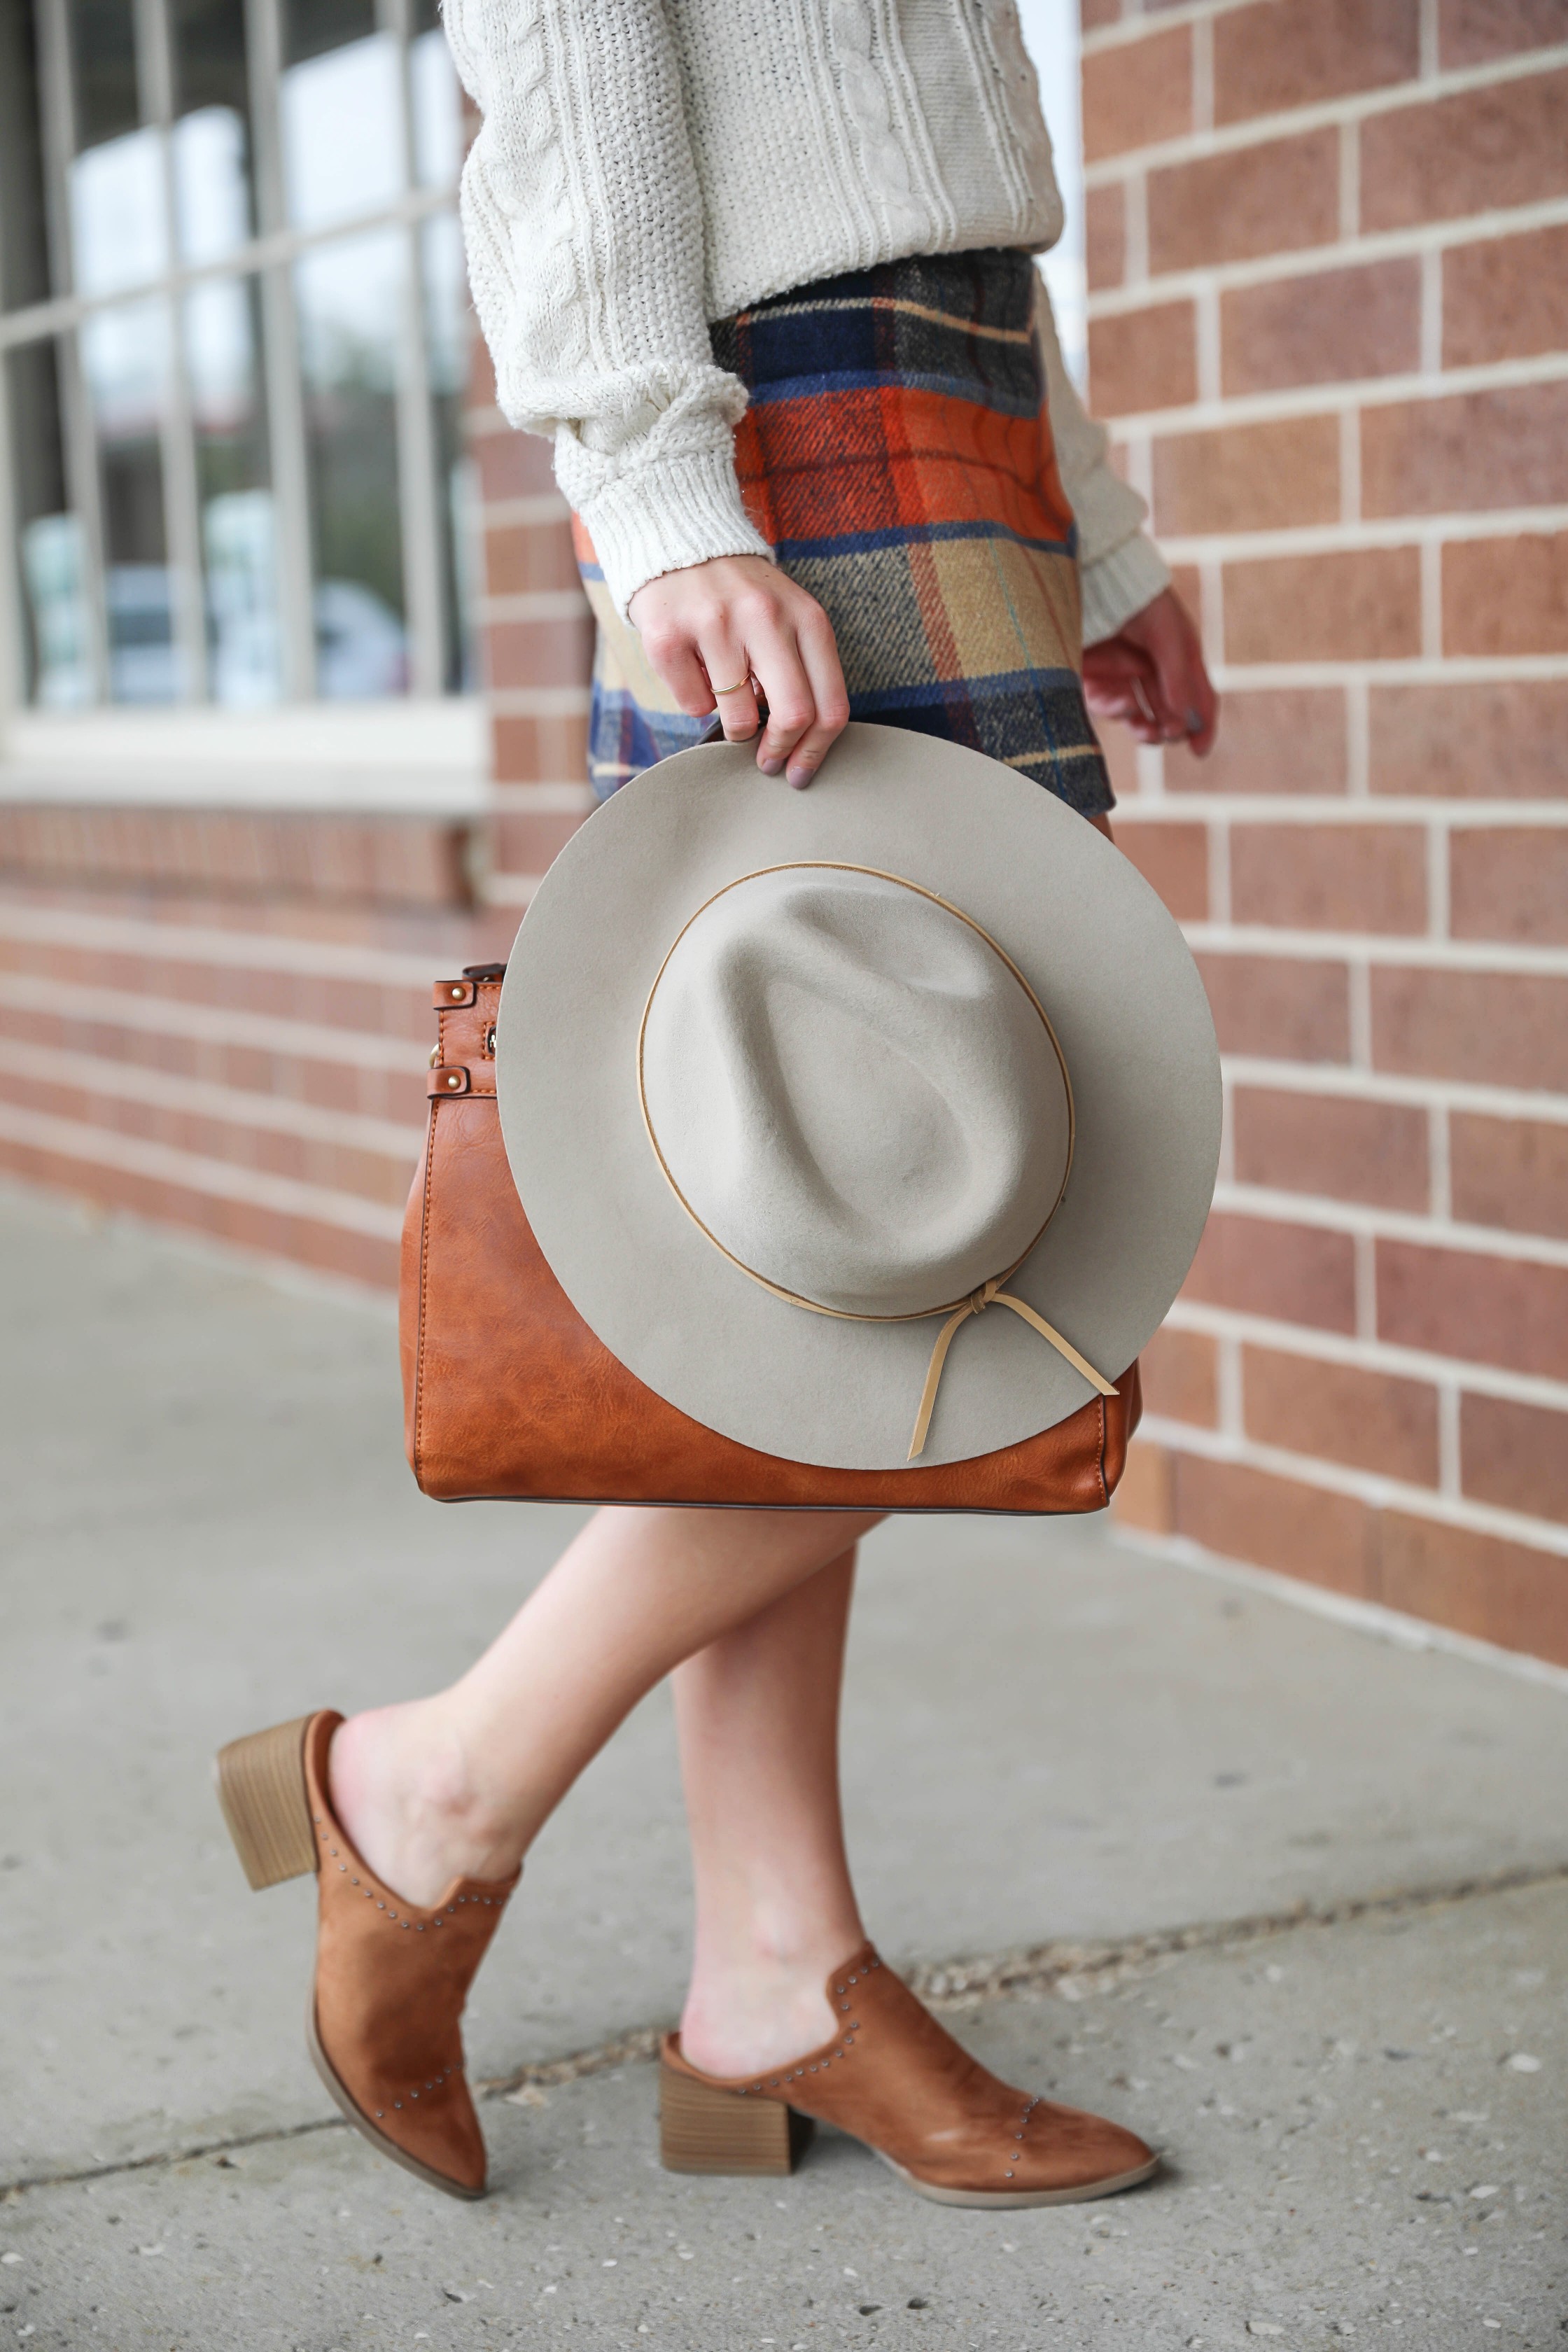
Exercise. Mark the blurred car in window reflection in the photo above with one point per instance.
(362, 647)
(144, 664)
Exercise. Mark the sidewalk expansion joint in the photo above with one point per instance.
(1073, 1971)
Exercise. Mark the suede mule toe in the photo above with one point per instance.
(384, 2022)
(896, 2079)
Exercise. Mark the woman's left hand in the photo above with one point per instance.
(1152, 677)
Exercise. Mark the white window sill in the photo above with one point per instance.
(430, 758)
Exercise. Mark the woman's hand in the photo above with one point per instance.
(723, 633)
(1150, 676)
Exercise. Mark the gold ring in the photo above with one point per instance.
(716, 690)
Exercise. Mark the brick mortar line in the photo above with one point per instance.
(1409, 950)
(535, 510)
(538, 701)
(1202, 70)
(1360, 248)
(265, 791)
(1309, 1339)
(1294, 402)
(1357, 717)
(1450, 1442)
(1430, 324)
(1393, 1086)
(527, 604)
(543, 796)
(1316, 811)
(60, 1068)
(1439, 854)
(1354, 107)
(1126, 32)
(1401, 669)
(362, 1049)
(484, 420)
(1269, 1205)
(1089, 1968)
(1370, 1488)
(196, 1172)
(510, 889)
(324, 960)
(1430, 533)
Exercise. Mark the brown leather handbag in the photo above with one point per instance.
(508, 1394)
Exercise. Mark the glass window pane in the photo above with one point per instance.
(103, 53)
(239, 518)
(437, 111)
(118, 221)
(350, 298)
(119, 226)
(447, 327)
(125, 359)
(24, 245)
(211, 182)
(343, 133)
(212, 143)
(57, 616)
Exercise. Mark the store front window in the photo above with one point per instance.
(233, 325)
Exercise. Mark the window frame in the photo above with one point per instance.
(269, 256)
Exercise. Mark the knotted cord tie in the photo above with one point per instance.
(990, 1294)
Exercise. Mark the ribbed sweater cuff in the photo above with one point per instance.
(1117, 585)
(665, 515)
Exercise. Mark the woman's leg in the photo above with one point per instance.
(460, 1784)
(758, 1716)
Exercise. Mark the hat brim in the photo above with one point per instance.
(1094, 942)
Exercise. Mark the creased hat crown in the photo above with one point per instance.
(853, 1090)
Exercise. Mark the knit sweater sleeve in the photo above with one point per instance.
(584, 235)
(1119, 567)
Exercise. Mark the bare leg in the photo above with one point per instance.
(758, 1715)
(460, 1784)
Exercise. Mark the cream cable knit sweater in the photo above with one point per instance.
(646, 166)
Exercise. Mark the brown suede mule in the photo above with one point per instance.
(384, 2025)
(896, 2079)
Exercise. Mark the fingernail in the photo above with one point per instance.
(771, 767)
(800, 778)
(1195, 722)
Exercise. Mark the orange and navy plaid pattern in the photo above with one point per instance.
(897, 457)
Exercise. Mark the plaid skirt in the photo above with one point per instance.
(897, 457)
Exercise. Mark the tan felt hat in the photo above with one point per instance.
(864, 1124)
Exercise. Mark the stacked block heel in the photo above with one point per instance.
(705, 2131)
(261, 1787)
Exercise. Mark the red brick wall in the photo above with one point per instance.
(222, 1020)
(1327, 246)
(537, 646)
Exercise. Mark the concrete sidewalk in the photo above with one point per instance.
(1051, 1741)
